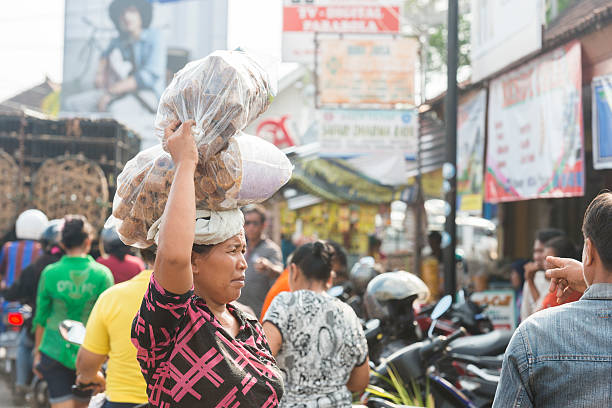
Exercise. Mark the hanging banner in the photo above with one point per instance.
(373, 71)
(535, 133)
(350, 133)
(470, 152)
(302, 18)
(602, 122)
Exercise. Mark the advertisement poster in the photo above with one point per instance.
(602, 122)
(535, 131)
(366, 70)
(120, 54)
(500, 307)
(470, 152)
(349, 133)
(302, 18)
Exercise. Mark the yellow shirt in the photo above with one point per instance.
(108, 333)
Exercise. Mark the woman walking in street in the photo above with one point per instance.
(317, 339)
(68, 289)
(195, 349)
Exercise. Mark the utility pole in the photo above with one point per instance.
(450, 170)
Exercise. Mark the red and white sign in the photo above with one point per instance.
(300, 22)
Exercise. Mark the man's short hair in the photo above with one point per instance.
(546, 234)
(597, 226)
(256, 208)
(562, 246)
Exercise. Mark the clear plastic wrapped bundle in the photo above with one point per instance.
(223, 93)
(249, 170)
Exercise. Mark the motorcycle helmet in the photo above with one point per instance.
(110, 240)
(52, 235)
(362, 273)
(31, 224)
(390, 296)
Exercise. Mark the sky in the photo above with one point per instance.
(32, 35)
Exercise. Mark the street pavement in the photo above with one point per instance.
(6, 399)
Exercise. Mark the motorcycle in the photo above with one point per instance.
(74, 332)
(464, 313)
(14, 316)
(415, 364)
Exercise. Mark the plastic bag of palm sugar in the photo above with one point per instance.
(249, 170)
(223, 93)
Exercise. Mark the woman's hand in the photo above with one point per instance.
(35, 363)
(98, 382)
(180, 143)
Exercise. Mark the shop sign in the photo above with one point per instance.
(503, 31)
(535, 143)
(349, 133)
(301, 19)
(470, 152)
(275, 131)
(500, 307)
(602, 122)
(366, 71)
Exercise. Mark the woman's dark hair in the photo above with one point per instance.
(314, 259)
(201, 249)
(144, 7)
(75, 231)
(119, 251)
(597, 226)
(562, 246)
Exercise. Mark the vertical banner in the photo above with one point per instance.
(302, 18)
(120, 54)
(602, 122)
(535, 131)
(470, 152)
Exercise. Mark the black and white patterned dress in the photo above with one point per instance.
(322, 342)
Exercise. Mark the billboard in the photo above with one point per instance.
(503, 31)
(470, 152)
(602, 122)
(350, 133)
(535, 143)
(362, 70)
(120, 54)
(302, 18)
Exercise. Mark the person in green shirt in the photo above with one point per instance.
(68, 289)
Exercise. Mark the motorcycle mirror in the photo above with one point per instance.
(335, 291)
(443, 305)
(372, 324)
(72, 331)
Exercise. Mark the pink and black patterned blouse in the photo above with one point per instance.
(189, 360)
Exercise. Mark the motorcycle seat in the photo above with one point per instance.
(490, 344)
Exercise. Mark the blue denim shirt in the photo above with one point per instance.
(148, 54)
(562, 356)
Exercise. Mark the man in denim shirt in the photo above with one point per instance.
(562, 356)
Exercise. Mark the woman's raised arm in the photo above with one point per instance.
(173, 262)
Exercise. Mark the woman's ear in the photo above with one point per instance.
(194, 264)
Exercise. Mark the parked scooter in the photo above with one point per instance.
(415, 364)
(463, 313)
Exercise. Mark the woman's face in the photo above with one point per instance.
(515, 279)
(219, 274)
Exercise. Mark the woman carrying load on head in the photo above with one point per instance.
(194, 347)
